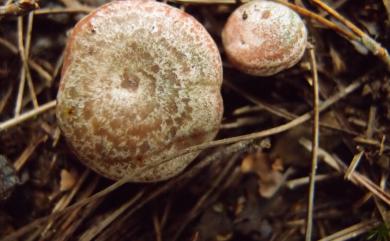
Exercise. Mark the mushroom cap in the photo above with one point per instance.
(140, 81)
(263, 38)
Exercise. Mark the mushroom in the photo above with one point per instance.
(262, 38)
(140, 81)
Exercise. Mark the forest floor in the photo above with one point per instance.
(252, 187)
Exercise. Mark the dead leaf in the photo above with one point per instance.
(270, 177)
(270, 184)
(68, 180)
(338, 62)
(247, 164)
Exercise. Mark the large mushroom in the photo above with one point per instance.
(140, 82)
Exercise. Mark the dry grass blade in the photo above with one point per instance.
(352, 232)
(225, 172)
(266, 106)
(157, 228)
(365, 39)
(25, 72)
(34, 65)
(76, 218)
(382, 145)
(299, 120)
(21, 161)
(354, 163)
(273, 131)
(25, 57)
(63, 10)
(315, 143)
(37, 222)
(320, 19)
(65, 200)
(4, 100)
(26, 116)
(372, 142)
(22, 81)
(292, 184)
(375, 189)
(91, 233)
(356, 177)
(371, 121)
(352, 87)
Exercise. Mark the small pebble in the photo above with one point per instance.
(8, 178)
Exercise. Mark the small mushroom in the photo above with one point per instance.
(141, 81)
(262, 38)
